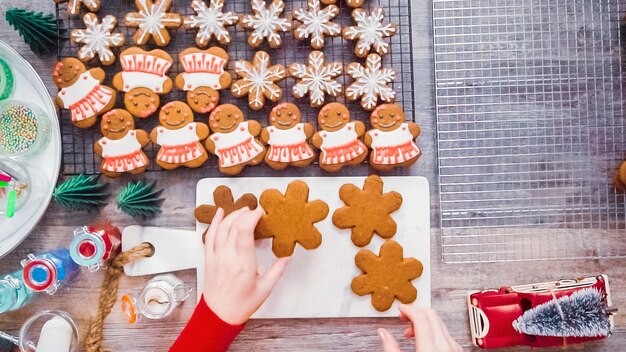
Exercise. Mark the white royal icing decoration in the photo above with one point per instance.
(341, 146)
(86, 97)
(79, 90)
(343, 136)
(120, 147)
(393, 147)
(74, 8)
(182, 136)
(290, 144)
(316, 22)
(211, 21)
(370, 82)
(316, 79)
(202, 70)
(97, 38)
(152, 18)
(257, 79)
(369, 31)
(135, 79)
(266, 21)
(236, 147)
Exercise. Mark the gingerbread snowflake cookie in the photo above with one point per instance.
(290, 219)
(287, 138)
(97, 38)
(391, 138)
(258, 80)
(204, 74)
(210, 21)
(266, 23)
(369, 32)
(223, 198)
(152, 21)
(351, 3)
(317, 79)
(367, 212)
(74, 6)
(386, 276)
(371, 82)
(316, 22)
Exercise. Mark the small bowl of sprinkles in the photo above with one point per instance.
(24, 129)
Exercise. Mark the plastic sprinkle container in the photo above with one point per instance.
(24, 128)
(7, 81)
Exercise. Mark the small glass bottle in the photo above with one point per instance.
(14, 294)
(46, 272)
(95, 244)
(161, 295)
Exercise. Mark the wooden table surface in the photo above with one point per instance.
(449, 285)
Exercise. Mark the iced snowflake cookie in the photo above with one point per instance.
(97, 39)
(210, 21)
(179, 137)
(367, 211)
(392, 138)
(371, 82)
(73, 6)
(152, 21)
(351, 3)
(290, 219)
(234, 140)
(203, 75)
(258, 80)
(81, 91)
(338, 138)
(316, 79)
(316, 22)
(369, 32)
(265, 23)
(386, 276)
(287, 137)
(121, 145)
(143, 79)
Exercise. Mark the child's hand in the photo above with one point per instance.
(431, 334)
(233, 288)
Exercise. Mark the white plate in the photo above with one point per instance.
(44, 167)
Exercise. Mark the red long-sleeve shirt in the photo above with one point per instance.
(206, 332)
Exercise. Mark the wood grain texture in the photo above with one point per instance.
(450, 282)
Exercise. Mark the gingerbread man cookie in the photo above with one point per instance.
(210, 22)
(316, 79)
(392, 138)
(339, 138)
(371, 82)
(265, 23)
(97, 38)
(152, 21)
(73, 6)
(367, 212)
(81, 91)
(258, 80)
(369, 32)
(122, 144)
(179, 137)
(386, 276)
(287, 138)
(316, 23)
(204, 74)
(234, 140)
(143, 79)
(290, 219)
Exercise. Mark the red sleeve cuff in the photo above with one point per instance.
(206, 332)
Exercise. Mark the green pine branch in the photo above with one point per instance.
(39, 31)
(80, 193)
(140, 199)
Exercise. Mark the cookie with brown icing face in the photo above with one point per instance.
(234, 140)
(339, 139)
(81, 91)
(179, 137)
(121, 146)
(287, 138)
(392, 138)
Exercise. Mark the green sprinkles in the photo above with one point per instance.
(18, 129)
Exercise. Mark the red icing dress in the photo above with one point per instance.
(122, 155)
(179, 146)
(393, 147)
(287, 146)
(341, 146)
(236, 147)
(86, 97)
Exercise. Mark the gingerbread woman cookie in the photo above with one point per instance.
(258, 80)
(391, 138)
(143, 79)
(369, 32)
(386, 276)
(287, 138)
(338, 138)
(265, 23)
(316, 79)
(371, 82)
(73, 6)
(179, 137)
(210, 22)
(204, 74)
(367, 212)
(97, 38)
(316, 23)
(153, 21)
(290, 219)
(122, 144)
(234, 140)
(81, 91)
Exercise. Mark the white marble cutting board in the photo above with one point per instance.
(317, 283)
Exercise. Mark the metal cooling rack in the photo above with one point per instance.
(530, 121)
(78, 154)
